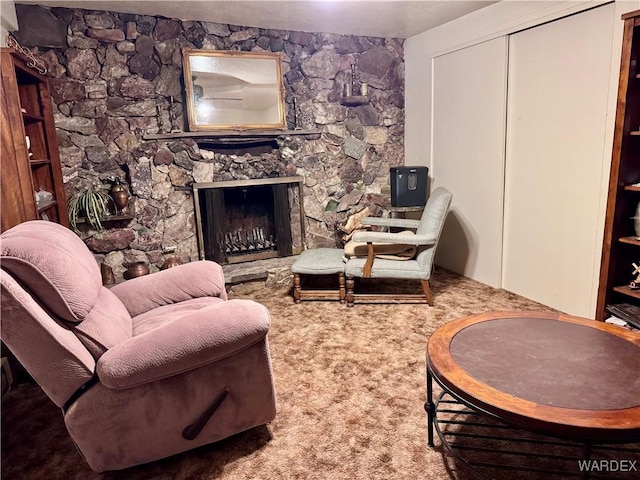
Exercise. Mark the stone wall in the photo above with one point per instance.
(109, 72)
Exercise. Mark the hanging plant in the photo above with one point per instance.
(92, 204)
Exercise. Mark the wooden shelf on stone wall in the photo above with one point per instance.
(354, 100)
(231, 136)
(108, 219)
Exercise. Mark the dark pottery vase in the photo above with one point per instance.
(120, 196)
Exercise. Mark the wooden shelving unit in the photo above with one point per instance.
(28, 167)
(621, 247)
(628, 292)
(630, 240)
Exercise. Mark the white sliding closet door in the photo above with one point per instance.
(556, 123)
(469, 99)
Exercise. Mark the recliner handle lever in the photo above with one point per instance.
(191, 431)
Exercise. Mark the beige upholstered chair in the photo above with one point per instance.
(152, 367)
(384, 264)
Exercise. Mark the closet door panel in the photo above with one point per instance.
(469, 99)
(558, 90)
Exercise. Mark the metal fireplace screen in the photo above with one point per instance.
(240, 221)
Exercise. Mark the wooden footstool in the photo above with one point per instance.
(316, 262)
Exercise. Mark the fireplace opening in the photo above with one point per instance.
(249, 221)
(245, 220)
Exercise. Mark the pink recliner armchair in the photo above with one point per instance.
(151, 367)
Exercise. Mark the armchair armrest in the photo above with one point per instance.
(189, 342)
(393, 238)
(390, 222)
(177, 284)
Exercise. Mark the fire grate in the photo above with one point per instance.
(246, 220)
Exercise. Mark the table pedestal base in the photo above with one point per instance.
(494, 450)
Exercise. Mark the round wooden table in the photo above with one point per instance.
(548, 373)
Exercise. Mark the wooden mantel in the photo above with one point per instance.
(231, 136)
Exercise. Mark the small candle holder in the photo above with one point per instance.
(160, 120)
(296, 116)
(354, 79)
(173, 116)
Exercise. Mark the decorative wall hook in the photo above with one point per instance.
(33, 61)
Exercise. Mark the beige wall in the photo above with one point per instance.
(8, 20)
(422, 123)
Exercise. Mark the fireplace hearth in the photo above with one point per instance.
(246, 220)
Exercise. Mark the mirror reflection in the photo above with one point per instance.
(233, 90)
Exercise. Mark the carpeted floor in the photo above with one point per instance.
(350, 386)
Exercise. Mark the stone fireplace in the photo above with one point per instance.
(246, 220)
(116, 81)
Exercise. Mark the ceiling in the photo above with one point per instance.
(379, 18)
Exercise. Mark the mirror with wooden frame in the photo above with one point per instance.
(233, 90)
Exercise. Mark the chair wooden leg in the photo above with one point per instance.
(297, 291)
(427, 291)
(342, 291)
(350, 283)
